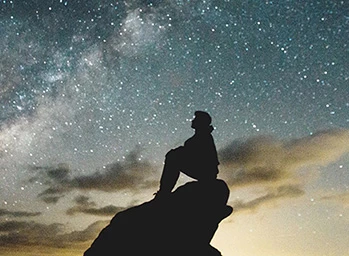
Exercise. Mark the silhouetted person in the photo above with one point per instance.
(186, 223)
(197, 158)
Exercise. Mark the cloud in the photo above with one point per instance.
(271, 196)
(85, 235)
(265, 159)
(83, 205)
(83, 201)
(59, 173)
(109, 210)
(341, 198)
(4, 212)
(50, 199)
(52, 194)
(133, 173)
(21, 233)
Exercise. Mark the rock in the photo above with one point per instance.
(181, 225)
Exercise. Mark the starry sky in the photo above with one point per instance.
(94, 93)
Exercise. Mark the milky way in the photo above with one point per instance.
(89, 88)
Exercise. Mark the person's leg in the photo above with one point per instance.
(200, 174)
(169, 176)
(170, 171)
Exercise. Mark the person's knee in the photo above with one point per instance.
(174, 154)
(170, 156)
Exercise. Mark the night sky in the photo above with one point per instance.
(94, 93)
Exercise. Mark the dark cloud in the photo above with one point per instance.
(341, 198)
(132, 173)
(50, 199)
(9, 226)
(4, 212)
(59, 174)
(57, 189)
(279, 193)
(83, 201)
(26, 233)
(53, 194)
(21, 233)
(53, 174)
(265, 159)
(85, 206)
(109, 210)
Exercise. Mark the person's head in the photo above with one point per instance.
(202, 120)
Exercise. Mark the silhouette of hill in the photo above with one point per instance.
(181, 225)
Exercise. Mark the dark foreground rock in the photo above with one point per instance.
(181, 225)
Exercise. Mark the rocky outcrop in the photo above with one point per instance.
(181, 225)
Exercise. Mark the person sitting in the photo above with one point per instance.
(197, 158)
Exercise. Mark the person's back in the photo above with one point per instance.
(201, 156)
